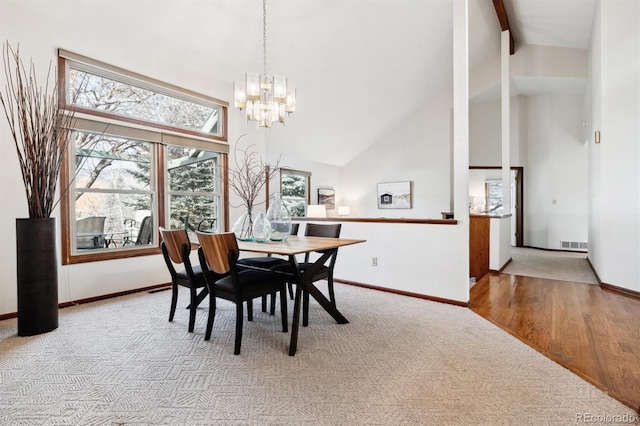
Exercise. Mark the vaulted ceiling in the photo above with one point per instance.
(360, 66)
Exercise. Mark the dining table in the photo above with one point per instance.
(301, 245)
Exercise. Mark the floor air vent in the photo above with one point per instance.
(574, 245)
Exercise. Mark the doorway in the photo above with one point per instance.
(482, 182)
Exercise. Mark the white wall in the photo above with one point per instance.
(485, 132)
(615, 178)
(418, 151)
(547, 139)
(499, 242)
(556, 174)
(409, 259)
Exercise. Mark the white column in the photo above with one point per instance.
(461, 125)
(506, 120)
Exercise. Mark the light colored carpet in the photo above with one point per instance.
(554, 265)
(400, 361)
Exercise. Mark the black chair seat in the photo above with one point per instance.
(197, 271)
(323, 271)
(265, 262)
(252, 283)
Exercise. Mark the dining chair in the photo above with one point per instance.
(325, 272)
(145, 234)
(267, 262)
(175, 249)
(218, 254)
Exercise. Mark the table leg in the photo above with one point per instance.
(295, 325)
(305, 284)
(325, 303)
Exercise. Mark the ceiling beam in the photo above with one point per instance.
(504, 23)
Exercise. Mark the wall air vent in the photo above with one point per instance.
(574, 245)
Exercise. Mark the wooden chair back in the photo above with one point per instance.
(216, 248)
(174, 240)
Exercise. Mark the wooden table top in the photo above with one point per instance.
(296, 245)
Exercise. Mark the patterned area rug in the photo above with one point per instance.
(400, 361)
(553, 265)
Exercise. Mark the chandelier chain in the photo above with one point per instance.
(264, 36)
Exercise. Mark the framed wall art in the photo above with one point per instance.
(394, 195)
(327, 197)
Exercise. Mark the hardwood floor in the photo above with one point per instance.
(593, 332)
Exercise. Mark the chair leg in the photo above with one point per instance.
(290, 285)
(264, 303)
(174, 301)
(192, 309)
(239, 315)
(305, 308)
(283, 308)
(212, 315)
(272, 307)
(250, 310)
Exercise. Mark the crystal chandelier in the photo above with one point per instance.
(265, 99)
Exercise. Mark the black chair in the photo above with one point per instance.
(325, 272)
(267, 262)
(207, 225)
(145, 233)
(175, 249)
(218, 255)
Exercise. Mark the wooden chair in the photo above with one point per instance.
(325, 272)
(175, 249)
(218, 255)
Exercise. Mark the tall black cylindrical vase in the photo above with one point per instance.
(37, 276)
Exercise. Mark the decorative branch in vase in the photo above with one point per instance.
(39, 129)
(247, 180)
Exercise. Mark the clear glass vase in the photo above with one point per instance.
(243, 227)
(261, 228)
(280, 219)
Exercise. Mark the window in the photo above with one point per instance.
(294, 186)
(493, 190)
(193, 189)
(114, 179)
(102, 90)
(142, 155)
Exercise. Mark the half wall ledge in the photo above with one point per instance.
(377, 220)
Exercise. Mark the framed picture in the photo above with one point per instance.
(327, 197)
(394, 195)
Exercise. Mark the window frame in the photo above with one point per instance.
(218, 191)
(159, 136)
(307, 176)
(65, 58)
